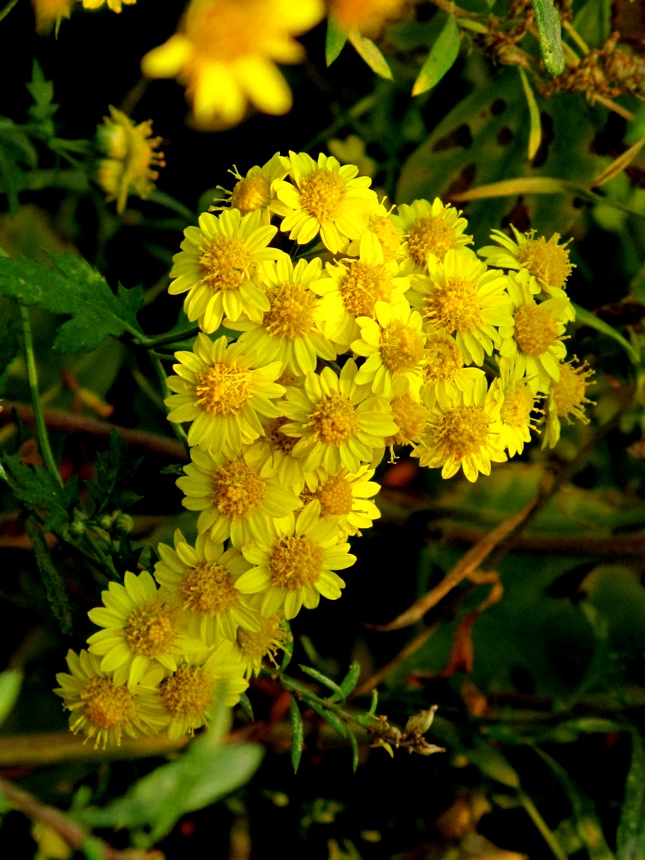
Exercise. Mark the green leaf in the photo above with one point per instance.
(631, 830)
(113, 469)
(374, 702)
(331, 718)
(548, 23)
(10, 683)
(535, 125)
(247, 707)
(441, 58)
(493, 764)
(39, 491)
(322, 679)
(371, 54)
(350, 680)
(51, 579)
(354, 745)
(73, 288)
(297, 734)
(593, 22)
(588, 318)
(334, 40)
(42, 92)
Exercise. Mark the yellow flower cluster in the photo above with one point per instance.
(374, 333)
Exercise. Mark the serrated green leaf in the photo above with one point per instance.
(334, 40)
(39, 491)
(441, 58)
(42, 92)
(10, 683)
(322, 679)
(51, 579)
(350, 680)
(113, 469)
(548, 23)
(631, 830)
(297, 734)
(73, 288)
(370, 54)
(588, 318)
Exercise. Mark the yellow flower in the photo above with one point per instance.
(217, 266)
(326, 199)
(518, 406)
(201, 579)
(380, 224)
(271, 456)
(223, 393)
(289, 331)
(465, 434)
(352, 151)
(411, 418)
(393, 347)
(114, 5)
(337, 422)
(296, 565)
(545, 262)
(131, 162)
(141, 630)
(431, 229)
(234, 500)
(344, 498)
(51, 12)
(367, 16)
(534, 338)
(465, 298)
(566, 399)
(189, 694)
(255, 190)
(443, 370)
(226, 50)
(103, 709)
(353, 287)
(274, 635)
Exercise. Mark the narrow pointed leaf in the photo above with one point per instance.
(587, 318)
(619, 164)
(334, 41)
(10, 683)
(322, 679)
(371, 54)
(350, 680)
(535, 125)
(440, 59)
(297, 734)
(631, 830)
(354, 745)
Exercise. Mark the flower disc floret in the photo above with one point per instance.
(432, 229)
(410, 417)
(255, 190)
(272, 637)
(567, 399)
(345, 498)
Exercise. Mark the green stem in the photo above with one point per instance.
(32, 376)
(161, 375)
(308, 696)
(542, 826)
(7, 9)
(168, 337)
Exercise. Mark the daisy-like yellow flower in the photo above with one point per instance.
(393, 346)
(255, 190)
(289, 331)
(217, 267)
(271, 456)
(296, 565)
(411, 418)
(189, 694)
(51, 12)
(337, 422)
(534, 338)
(233, 499)
(519, 408)
(114, 5)
(201, 579)
(566, 399)
(380, 224)
(366, 16)
(546, 262)
(326, 198)
(345, 498)
(431, 229)
(130, 165)
(273, 636)
(225, 52)
(141, 630)
(443, 370)
(221, 389)
(353, 287)
(462, 296)
(103, 709)
(465, 435)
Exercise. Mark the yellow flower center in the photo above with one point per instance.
(536, 330)
(207, 589)
(291, 312)
(517, 406)
(187, 693)
(106, 704)
(251, 193)
(401, 347)
(265, 642)
(296, 562)
(224, 262)
(410, 417)
(462, 432)
(454, 306)
(335, 496)
(278, 440)
(547, 261)
(363, 286)
(430, 235)
(237, 489)
(442, 360)
(569, 391)
(322, 193)
(224, 389)
(386, 233)
(149, 630)
(334, 420)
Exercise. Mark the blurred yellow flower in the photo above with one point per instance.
(114, 5)
(50, 12)
(367, 16)
(225, 52)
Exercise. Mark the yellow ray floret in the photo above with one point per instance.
(254, 191)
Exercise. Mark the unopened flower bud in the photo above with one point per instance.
(421, 722)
